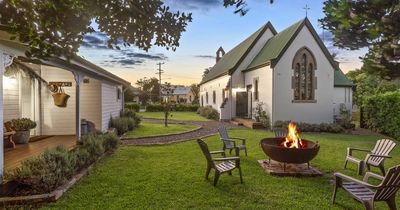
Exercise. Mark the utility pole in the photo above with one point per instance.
(160, 72)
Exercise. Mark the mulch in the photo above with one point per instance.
(207, 128)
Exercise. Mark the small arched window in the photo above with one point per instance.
(304, 81)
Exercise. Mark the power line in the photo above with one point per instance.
(160, 72)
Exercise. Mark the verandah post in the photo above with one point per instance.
(78, 81)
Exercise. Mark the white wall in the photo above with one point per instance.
(342, 95)
(264, 75)
(11, 98)
(110, 105)
(283, 107)
(216, 85)
(57, 120)
(91, 102)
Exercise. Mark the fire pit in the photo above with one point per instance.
(273, 149)
(290, 149)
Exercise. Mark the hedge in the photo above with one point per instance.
(174, 107)
(382, 113)
(135, 107)
(208, 112)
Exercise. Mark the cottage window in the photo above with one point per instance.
(118, 94)
(256, 89)
(304, 81)
(206, 97)
(214, 97)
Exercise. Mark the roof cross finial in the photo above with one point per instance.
(306, 8)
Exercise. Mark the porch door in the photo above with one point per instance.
(28, 99)
(249, 101)
(241, 104)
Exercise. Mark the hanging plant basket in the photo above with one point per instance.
(60, 98)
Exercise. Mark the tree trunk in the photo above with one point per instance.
(362, 124)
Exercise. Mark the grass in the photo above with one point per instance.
(172, 177)
(185, 116)
(151, 129)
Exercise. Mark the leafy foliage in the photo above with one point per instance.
(135, 107)
(130, 113)
(149, 90)
(23, 124)
(55, 28)
(382, 113)
(195, 88)
(122, 124)
(208, 112)
(371, 23)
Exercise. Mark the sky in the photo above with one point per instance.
(213, 26)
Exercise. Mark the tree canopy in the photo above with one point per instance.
(57, 28)
(371, 23)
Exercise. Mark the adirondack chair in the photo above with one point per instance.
(230, 142)
(367, 193)
(225, 165)
(280, 132)
(375, 157)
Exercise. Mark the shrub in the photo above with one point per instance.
(382, 113)
(135, 107)
(154, 108)
(23, 124)
(208, 112)
(185, 107)
(132, 114)
(110, 142)
(122, 124)
(46, 172)
(307, 127)
(93, 144)
(82, 158)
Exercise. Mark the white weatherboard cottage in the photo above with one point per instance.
(291, 72)
(95, 95)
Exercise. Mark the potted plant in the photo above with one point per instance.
(22, 127)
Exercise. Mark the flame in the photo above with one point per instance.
(293, 139)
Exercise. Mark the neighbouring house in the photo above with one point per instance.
(27, 87)
(291, 72)
(180, 94)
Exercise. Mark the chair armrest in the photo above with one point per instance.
(218, 152)
(340, 176)
(382, 156)
(242, 139)
(350, 150)
(370, 174)
(226, 159)
(229, 140)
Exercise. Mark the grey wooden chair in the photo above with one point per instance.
(367, 193)
(375, 157)
(230, 142)
(224, 165)
(280, 132)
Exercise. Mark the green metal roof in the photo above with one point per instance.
(229, 61)
(341, 80)
(274, 46)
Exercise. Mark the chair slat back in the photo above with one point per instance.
(390, 184)
(280, 132)
(382, 147)
(224, 134)
(204, 148)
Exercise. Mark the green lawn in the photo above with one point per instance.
(172, 177)
(151, 129)
(189, 116)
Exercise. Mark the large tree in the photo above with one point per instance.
(57, 28)
(149, 90)
(195, 88)
(370, 23)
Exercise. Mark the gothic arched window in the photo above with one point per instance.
(304, 81)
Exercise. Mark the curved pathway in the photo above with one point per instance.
(207, 128)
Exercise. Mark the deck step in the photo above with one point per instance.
(249, 123)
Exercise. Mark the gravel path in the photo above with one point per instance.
(207, 128)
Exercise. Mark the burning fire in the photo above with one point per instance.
(293, 139)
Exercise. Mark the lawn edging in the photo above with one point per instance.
(163, 135)
(171, 142)
(52, 196)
